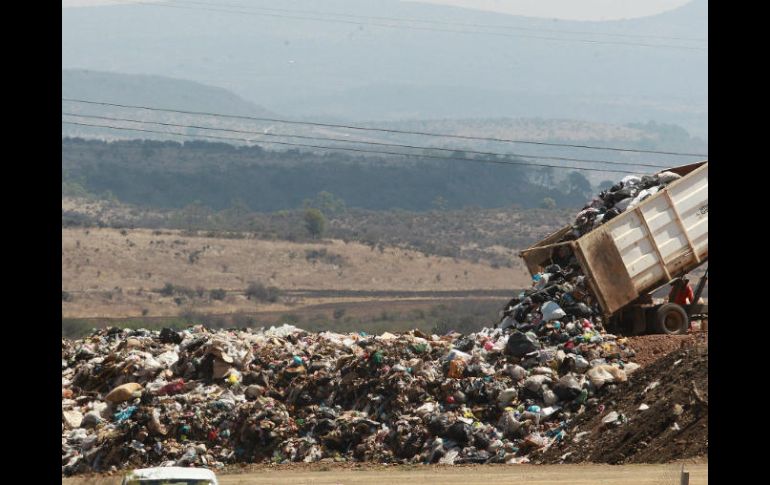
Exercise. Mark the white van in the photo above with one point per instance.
(171, 475)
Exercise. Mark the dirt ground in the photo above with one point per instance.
(650, 348)
(590, 474)
(665, 416)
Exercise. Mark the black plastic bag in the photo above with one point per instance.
(520, 344)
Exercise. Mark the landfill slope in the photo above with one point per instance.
(675, 426)
(200, 398)
(649, 348)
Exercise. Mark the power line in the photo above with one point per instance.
(440, 22)
(392, 26)
(383, 130)
(358, 150)
(395, 145)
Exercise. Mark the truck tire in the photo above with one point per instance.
(671, 319)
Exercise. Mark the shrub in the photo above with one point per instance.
(324, 256)
(290, 318)
(182, 291)
(548, 203)
(315, 223)
(260, 292)
(242, 320)
(167, 290)
(194, 256)
(218, 294)
(74, 328)
(185, 291)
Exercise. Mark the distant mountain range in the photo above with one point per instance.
(355, 68)
(177, 94)
(143, 90)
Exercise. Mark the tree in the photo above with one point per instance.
(439, 203)
(108, 196)
(194, 215)
(259, 291)
(605, 184)
(544, 176)
(71, 188)
(238, 207)
(315, 222)
(234, 216)
(578, 185)
(326, 202)
(548, 203)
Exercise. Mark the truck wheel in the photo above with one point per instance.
(671, 319)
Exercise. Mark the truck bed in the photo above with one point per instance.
(643, 248)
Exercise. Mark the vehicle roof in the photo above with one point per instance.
(172, 472)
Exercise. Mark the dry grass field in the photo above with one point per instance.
(119, 273)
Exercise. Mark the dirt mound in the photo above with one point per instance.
(674, 425)
(650, 348)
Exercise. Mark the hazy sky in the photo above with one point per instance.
(569, 9)
(561, 9)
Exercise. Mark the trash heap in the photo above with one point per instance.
(625, 195)
(135, 398)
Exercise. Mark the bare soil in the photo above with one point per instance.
(674, 426)
(651, 348)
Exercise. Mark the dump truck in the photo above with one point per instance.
(639, 251)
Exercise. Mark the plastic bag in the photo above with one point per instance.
(667, 177)
(630, 180)
(549, 397)
(508, 395)
(552, 311)
(602, 374)
(520, 344)
(599, 376)
(535, 383)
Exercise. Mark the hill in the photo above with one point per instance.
(325, 65)
(143, 90)
(376, 270)
(111, 273)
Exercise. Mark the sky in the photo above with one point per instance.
(558, 9)
(569, 9)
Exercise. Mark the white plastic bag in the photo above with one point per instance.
(630, 180)
(552, 311)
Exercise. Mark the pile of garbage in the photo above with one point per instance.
(136, 398)
(625, 195)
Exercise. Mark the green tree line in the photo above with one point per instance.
(176, 175)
